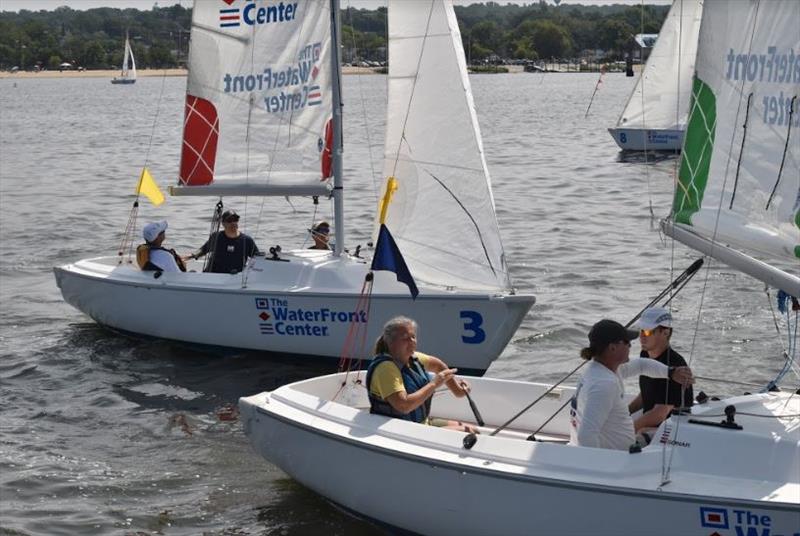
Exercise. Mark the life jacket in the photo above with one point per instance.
(143, 257)
(414, 378)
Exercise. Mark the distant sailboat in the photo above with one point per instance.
(128, 74)
(655, 116)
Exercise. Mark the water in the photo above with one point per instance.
(107, 434)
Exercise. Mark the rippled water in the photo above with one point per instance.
(102, 433)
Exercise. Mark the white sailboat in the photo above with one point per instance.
(128, 73)
(730, 467)
(267, 76)
(654, 117)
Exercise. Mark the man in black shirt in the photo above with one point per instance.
(229, 248)
(658, 396)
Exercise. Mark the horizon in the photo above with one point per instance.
(147, 5)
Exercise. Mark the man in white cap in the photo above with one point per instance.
(152, 255)
(598, 414)
(658, 396)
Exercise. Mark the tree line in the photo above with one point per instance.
(93, 39)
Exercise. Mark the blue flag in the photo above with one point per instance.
(387, 257)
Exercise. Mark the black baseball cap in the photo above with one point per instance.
(230, 215)
(608, 331)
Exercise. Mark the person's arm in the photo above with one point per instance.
(653, 418)
(635, 404)
(406, 403)
(204, 249)
(598, 402)
(432, 363)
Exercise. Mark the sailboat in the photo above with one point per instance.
(728, 467)
(265, 75)
(654, 118)
(128, 73)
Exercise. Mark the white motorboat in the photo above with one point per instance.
(654, 118)
(262, 77)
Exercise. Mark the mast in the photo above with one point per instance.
(336, 83)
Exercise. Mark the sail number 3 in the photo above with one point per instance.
(472, 325)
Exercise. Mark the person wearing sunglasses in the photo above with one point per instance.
(230, 249)
(599, 415)
(320, 233)
(658, 396)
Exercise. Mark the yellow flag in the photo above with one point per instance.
(148, 187)
(383, 206)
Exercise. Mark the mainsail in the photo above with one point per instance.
(660, 99)
(739, 181)
(258, 100)
(128, 72)
(440, 209)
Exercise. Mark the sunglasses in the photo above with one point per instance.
(322, 230)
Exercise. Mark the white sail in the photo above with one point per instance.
(258, 98)
(442, 212)
(125, 58)
(739, 182)
(660, 100)
(129, 53)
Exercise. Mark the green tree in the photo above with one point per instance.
(551, 40)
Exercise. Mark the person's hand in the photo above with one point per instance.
(442, 376)
(465, 386)
(188, 257)
(682, 375)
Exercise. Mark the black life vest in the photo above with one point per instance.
(414, 378)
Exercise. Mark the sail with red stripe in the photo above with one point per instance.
(258, 99)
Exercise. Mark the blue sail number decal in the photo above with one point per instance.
(472, 324)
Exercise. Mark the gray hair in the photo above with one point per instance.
(389, 333)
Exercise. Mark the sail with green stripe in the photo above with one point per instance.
(739, 178)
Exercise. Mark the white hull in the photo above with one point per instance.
(303, 306)
(720, 480)
(634, 139)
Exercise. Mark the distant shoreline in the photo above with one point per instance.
(111, 73)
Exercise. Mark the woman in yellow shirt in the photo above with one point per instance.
(401, 381)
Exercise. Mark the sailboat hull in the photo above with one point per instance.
(506, 485)
(275, 310)
(633, 139)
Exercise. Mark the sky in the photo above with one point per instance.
(49, 5)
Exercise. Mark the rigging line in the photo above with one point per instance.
(741, 152)
(474, 223)
(731, 382)
(413, 88)
(785, 150)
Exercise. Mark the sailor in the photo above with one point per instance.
(320, 233)
(599, 416)
(657, 396)
(398, 379)
(229, 248)
(152, 255)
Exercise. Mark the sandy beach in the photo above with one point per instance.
(111, 73)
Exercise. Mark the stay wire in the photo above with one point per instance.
(667, 466)
(130, 227)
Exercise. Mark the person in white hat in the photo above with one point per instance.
(658, 396)
(152, 255)
(598, 414)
